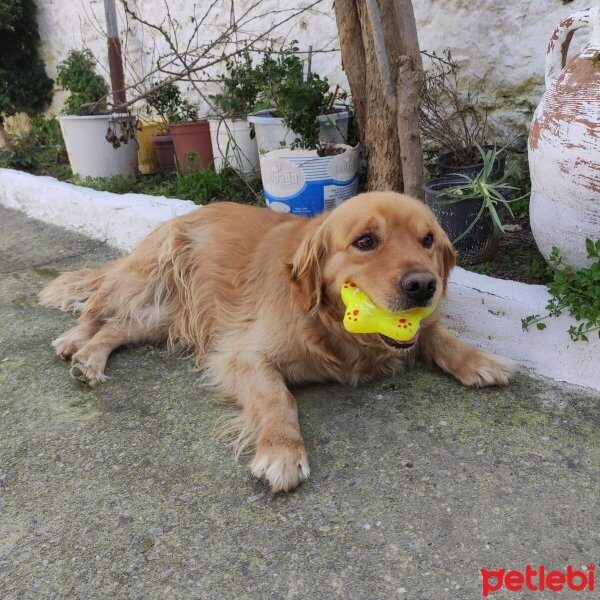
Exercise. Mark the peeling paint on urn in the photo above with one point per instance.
(564, 145)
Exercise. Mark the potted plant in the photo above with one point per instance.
(232, 136)
(468, 207)
(191, 138)
(451, 117)
(292, 111)
(87, 125)
(305, 175)
(166, 101)
(185, 140)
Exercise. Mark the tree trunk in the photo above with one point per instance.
(408, 87)
(378, 119)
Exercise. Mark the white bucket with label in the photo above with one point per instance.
(234, 145)
(273, 134)
(303, 183)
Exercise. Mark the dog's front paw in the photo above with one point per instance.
(87, 372)
(282, 465)
(65, 347)
(483, 369)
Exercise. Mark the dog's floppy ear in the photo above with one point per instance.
(448, 256)
(306, 268)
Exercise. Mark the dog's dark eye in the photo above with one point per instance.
(427, 241)
(366, 242)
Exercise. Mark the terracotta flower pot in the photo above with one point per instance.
(165, 151)
(193, 147)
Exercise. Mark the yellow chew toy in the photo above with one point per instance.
(362, 316)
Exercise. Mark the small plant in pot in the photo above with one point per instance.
(469, 208)
(87, 125)
(452, 118)
(232, 136)
(309, 175)
(166, 101)
(293, 111)
(191, 139)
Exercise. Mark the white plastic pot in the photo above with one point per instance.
(90, 154)
(303, 183)
(272, 134)
(234, 146)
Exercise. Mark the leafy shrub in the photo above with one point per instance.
(45, 131)
(577, 291)
(88, 90)
(40, 151)
(204, 187)
(296, 101)
(241, 86)
(277, 83)
(24, 85)
(169, 105)
(153, 185)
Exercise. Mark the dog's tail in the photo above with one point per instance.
(69, 291)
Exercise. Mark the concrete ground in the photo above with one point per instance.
(417, 482)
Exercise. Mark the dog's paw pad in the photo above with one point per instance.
(87, 375)
(282, 467)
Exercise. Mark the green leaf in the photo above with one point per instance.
(590, 247)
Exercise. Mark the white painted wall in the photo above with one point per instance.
(505, 41)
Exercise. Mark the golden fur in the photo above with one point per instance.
(254, 294)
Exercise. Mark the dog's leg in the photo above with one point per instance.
(89, 362)
(71, 341)
(469, 365)
(268, 420)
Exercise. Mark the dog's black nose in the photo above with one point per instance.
(418, 285)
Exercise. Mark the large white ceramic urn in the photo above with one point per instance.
(564, 145)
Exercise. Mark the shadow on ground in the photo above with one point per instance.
(417, 482)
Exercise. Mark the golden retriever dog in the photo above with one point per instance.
(255, 295)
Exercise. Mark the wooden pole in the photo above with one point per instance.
(115, 58)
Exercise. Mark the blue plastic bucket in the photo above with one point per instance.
(302, 183)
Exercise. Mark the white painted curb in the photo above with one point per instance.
(487, 312)
(483, 310)
(120, 220)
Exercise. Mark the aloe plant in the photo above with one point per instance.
(481, 187)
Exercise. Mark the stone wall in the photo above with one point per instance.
(503, 41)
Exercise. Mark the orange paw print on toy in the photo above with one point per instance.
(363, 316)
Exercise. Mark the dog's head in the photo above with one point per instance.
(389, 244)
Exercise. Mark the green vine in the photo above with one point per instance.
(577, 291)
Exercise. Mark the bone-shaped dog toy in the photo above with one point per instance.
(362, 316)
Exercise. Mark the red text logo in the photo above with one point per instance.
(537, 580)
